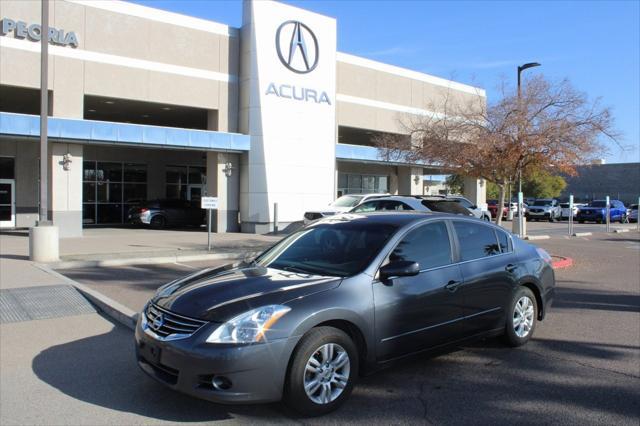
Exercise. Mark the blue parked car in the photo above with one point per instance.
(596, 211)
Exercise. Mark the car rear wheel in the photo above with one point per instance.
(322, 372)
(158, 222)
(521, 318)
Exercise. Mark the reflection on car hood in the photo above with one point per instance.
(221, 293)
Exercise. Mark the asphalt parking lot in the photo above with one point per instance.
(583, 365)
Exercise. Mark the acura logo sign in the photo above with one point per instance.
(297, 47)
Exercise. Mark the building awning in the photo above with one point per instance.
(370, 154)
(88, 131)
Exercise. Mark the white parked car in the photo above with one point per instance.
(478, 211)
(341, 205)
(544, 209)
(407, 203)
(564, 212)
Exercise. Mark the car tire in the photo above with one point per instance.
(314, 345)
(158, 222)
(521, 317)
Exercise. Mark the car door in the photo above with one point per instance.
(488, 266)
(422, 311)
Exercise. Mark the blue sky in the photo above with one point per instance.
(595, 44)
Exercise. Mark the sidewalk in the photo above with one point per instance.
(120, 246)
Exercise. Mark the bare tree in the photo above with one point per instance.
(552, 127)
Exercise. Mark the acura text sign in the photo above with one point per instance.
(209, 203)
(33, 32)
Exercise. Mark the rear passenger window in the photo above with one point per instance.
(475, 240)
(428, 245)
(391, 205)
(503, 240)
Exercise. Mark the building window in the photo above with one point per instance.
(109, 189)
(352, 183)
(185, 182)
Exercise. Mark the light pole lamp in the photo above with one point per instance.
(520, 195)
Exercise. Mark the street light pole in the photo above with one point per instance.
(520, 195)
(44, 112)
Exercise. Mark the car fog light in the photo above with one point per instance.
(221, 383)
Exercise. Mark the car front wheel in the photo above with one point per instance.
(521, 318)
(322, 372)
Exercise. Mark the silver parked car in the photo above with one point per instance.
(408, 203)
(341, 205)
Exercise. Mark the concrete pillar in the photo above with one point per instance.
(476, 191)
(226, 188)
(410, 180)
(65, 186)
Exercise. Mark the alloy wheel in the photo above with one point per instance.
(326, 373)
(523, 316)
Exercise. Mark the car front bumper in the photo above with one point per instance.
(256, 372)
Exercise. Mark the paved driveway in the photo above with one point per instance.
(583, 366)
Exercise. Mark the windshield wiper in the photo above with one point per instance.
(297, 270)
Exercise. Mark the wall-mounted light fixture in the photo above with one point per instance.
(228, 169)
(67, 159)
(416, 179)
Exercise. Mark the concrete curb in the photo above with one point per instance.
(562, 262)
(618, 231)
(581, 234)
(150, 260)
(537, 237)
(108, 306)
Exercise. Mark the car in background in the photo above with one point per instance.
(410, 203)
(513, 207)
(493, 208)
(339, 299)
(160, 214)
(565, 212)
(340, 205)
(633, 213)
(596, 211)
(476, 210)
(544, 209)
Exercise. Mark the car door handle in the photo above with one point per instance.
(510, 267)
(452, 285)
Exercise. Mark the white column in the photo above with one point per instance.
(65, 197)
(476, 191)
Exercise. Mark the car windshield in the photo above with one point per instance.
(598, 204)
(542, 203)
(564, 205)
(335, 248)
(347, 201)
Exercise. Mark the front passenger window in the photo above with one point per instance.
(428, 245)
(366, 207)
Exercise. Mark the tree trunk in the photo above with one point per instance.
(503, 188)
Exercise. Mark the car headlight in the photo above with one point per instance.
(249, 327)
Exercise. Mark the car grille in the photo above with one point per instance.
(312, 216)
(536, 210)
(167, 324)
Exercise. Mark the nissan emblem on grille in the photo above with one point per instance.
(158, 322)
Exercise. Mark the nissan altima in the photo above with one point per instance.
(338, 299)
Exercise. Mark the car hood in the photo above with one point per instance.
(221, 293)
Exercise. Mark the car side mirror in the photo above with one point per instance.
(400, 268)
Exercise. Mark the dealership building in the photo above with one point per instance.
(146, 104)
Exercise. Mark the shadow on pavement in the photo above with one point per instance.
(483, 383)
(578, 298)
(102, 370)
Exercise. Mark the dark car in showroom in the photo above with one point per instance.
(160, 214)
(343, 297)
(596, 211)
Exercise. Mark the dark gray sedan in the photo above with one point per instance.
(345, 296)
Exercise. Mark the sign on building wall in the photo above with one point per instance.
(33, 32)
(289, 112)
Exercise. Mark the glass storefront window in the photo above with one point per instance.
(7, 168)
(180, 178)
(105, 186)
(176, 174)
(352, 183)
